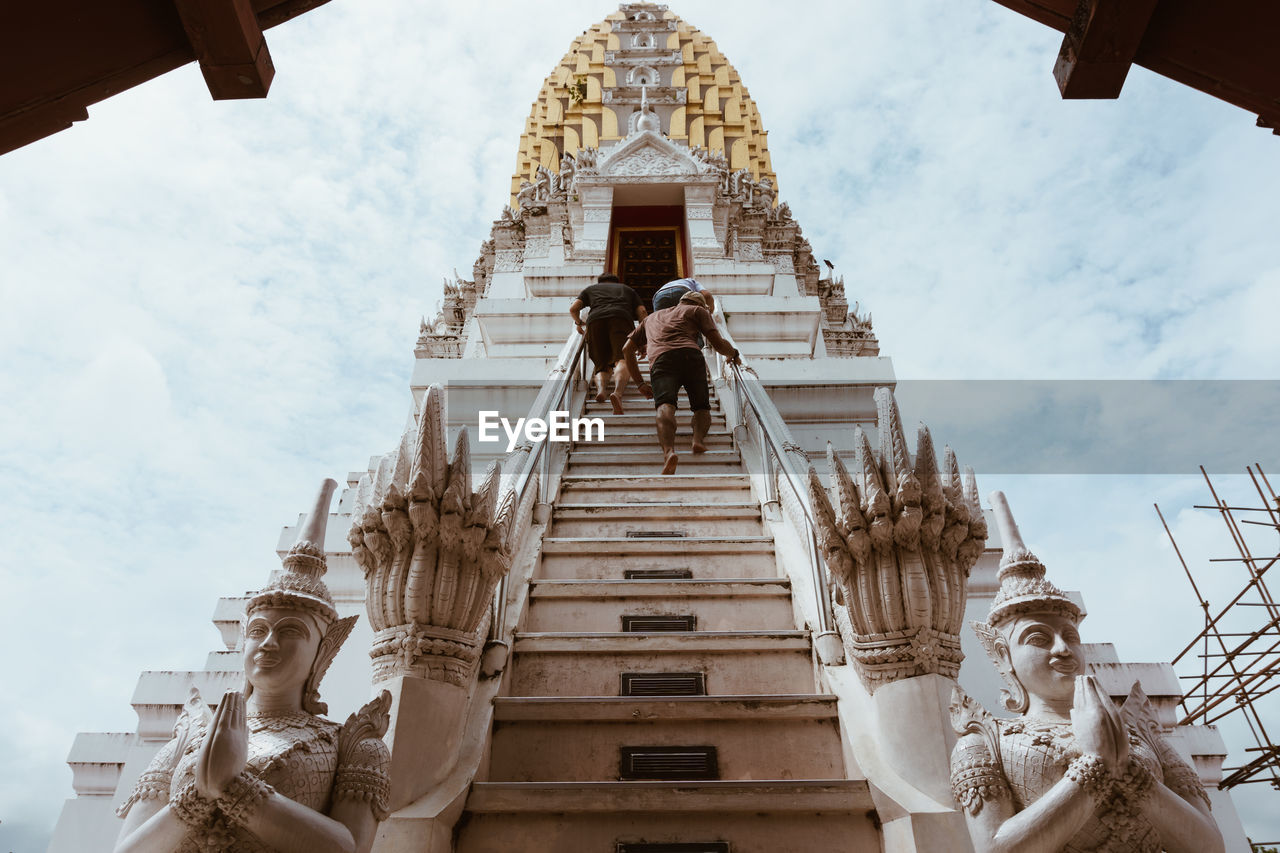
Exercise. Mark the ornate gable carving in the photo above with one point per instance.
(649, 154)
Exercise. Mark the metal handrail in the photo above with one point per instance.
(550, 398)
(562, 375)
(778, 438)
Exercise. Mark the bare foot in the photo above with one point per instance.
(600, 398)
(699, 447)
(669, 467)
(617, 404)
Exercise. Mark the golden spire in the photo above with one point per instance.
(573, 111)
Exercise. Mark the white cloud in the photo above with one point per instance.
(209, 305)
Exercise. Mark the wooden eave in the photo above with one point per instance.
(1226, 48)
(57, 57)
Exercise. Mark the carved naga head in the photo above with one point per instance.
(292, 629)
(1030, 631)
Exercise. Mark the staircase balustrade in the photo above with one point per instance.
(528, 458)
(779, 453)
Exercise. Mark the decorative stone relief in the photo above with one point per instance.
(850, 343)
(782, 264)
(265, 768)
(526, 197)
(629, 96)
(438, 339)
(763, 195)
(750, 251)
(642, 54)
(509, 260)
(597, 214)
(861, 326)
(698, 211)
(1072, 771)
(647, 162)
(482, 269)
(566, 184)
(900, 540)
(432, 552)
(537, 247)
(588, 160)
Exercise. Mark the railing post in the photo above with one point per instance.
(827, 641)
(769, 470)
(739, 408)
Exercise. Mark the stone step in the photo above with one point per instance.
(592, 664)
(717, 605)
(644, 413)
(578, 739)
(766, 816)
(657, 509)
(699, 489)
(580, 520)
(637, 418)
(648, 438)
(646, 425)
(633, 392)
(627, 494)
(636, 403)
(586, 566)
(609, 558)
(602, 453)
(648, 452)
(620, 546)
(640, 463)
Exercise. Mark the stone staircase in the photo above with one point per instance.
(660, 696)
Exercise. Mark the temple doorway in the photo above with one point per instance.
(647, 248)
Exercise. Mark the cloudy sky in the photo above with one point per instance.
(209, 306)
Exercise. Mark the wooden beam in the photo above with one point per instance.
(1100, 45)
(229, 44)
(1052, 13)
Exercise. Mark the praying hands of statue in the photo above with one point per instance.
(1098, 726)
(226, 749)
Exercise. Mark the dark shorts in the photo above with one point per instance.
(604, 341)
(680, 367)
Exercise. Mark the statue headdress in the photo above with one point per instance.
(299, 584)
(1023, 588)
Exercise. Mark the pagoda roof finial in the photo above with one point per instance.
(648, 118)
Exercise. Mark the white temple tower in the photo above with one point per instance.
(666, 663)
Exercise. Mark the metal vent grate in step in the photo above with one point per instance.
(645, 624)
(679, 847)
(656, 534)
(669, 762)
(657, 574)
(664, 684)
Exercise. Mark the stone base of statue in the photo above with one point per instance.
(426, 730)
